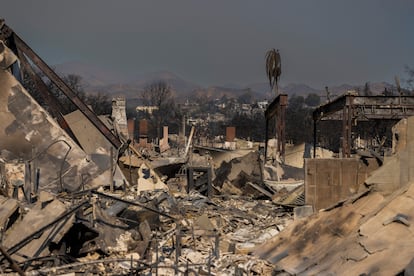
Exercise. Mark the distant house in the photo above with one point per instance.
(216, 117)
(195, 121)
(246, 107)
(263, 104)
(145, 108)
(221, 105)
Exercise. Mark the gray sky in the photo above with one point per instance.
(210, 42)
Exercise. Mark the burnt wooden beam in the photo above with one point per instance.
(372, 107)
(280, 100)
(350, 107)
(13, 264)
(329, 108)
(277, 108)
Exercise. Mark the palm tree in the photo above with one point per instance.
(273, 68)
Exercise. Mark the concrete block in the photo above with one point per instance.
(302, 211)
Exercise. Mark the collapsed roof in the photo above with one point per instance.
(372, 232)
(28, 133)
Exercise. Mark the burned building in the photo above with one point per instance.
(60, 175)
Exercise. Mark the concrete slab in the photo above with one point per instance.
(8, 207)
(302, 211)
(90, 138)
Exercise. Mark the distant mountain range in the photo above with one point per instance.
(100, 80)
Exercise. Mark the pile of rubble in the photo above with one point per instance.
(94, 231)
(370, 232)
(66, 206)
(75, 201)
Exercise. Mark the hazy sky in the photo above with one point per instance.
(209, 42)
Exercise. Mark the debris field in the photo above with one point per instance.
(78, 195)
